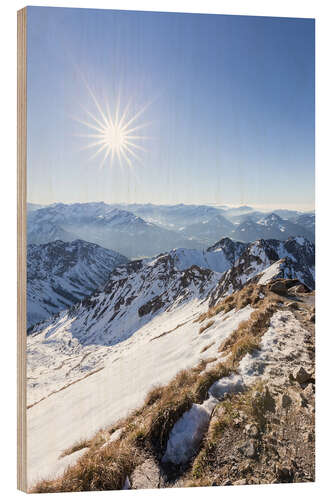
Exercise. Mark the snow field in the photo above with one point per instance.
(149, 358)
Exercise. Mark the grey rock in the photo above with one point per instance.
(252, 430)
(298, 398)
(285, 401)
(269, 401)
(147, 475)
(279, 287)
(249, 449)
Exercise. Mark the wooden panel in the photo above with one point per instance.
(21, 247)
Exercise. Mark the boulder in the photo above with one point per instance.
(279, 287)
(284, 474)
(292, 305)
(148, 475)
(249, 449)
(297, 289)
(285, 401)
(252, 430)
(298, 398)
(268, 401)
(310, 437)
(301, 375)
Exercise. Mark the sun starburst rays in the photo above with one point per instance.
(114, 136)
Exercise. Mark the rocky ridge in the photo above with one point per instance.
(256, 425)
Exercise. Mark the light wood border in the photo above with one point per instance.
(21, 247)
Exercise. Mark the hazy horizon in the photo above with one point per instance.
(264, 208)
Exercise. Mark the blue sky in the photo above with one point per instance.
(230, 115)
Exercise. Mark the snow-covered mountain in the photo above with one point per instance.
(140, 289)
(236, 219)
(207, 230)
(33, 206)
(272, 226)
(110, 227)
(306, 220)
(267, 260)
(60, 274)
(135, 294)
(287, 214)
(174, 216)
(242, 209)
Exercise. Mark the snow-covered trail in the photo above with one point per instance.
(153, 355)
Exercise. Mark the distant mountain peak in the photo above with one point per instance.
(271, 218)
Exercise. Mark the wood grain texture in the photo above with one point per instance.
(21, 247)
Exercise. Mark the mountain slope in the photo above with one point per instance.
(306, 220)
(152, 358)
(295, 258)
(208, 230)
(151, 320)
(110, 227)
(61, 273)
(134, 295)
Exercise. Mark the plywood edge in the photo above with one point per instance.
(21, 247)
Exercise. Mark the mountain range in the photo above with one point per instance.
(146, 230)
(136, 325)
(137, 291)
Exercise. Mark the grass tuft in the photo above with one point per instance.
(206, 326)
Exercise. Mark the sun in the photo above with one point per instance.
(114, 136)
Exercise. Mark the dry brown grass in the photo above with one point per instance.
(79, 445)
(206, 326)
(146, 429)
(105, 470)
(206, 347)
(145, 433)
(245, 345)
(249, 332)
(249, 295)
(168, 331)
(207, 378)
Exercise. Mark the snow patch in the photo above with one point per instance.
(187, 433)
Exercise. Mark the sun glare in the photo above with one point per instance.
(114, 135)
